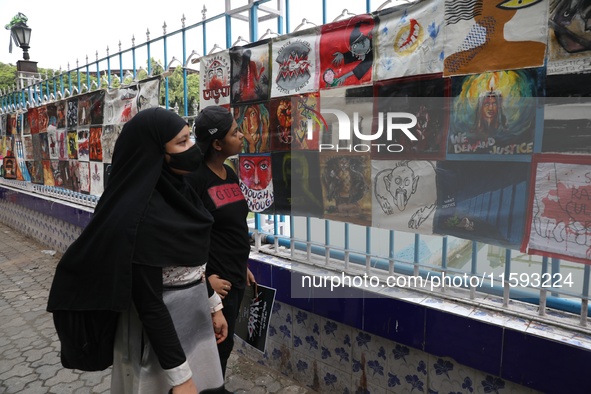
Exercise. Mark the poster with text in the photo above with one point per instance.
(295, 63)
(569, 37)
(254, 315)
(256, 181)
(214, 81)
(495, 113)
(475, 202)
(485, 35)
(409, 40)
(559, 224)
(404, 196)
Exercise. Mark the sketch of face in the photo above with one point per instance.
(255, 172)
(401, 184)
(572, 25)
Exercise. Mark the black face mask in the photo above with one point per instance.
(188, 160)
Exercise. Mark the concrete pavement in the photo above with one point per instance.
(29, 346)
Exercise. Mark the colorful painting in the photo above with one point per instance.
(295, 63)
(48, 179)
(482, 201)
(214, 83)
(346, 52)
(35, 169)
(83, 144)
(409, 40)
(84, 174)
(404, 195)
(28, 151)
(560, 221)
(250, 72)
(61, 136)
(96, 150)
(42, 118)
(253, 122)
(494, 113)
(61, 108)
(33, 120)
(569, 37)
(296, 183)
(57, 173)
(256, 177)
(486, 35)
(567, 114)
(97, 105)
(346, 187)
(22, 174)
(426, 98)
(72, 144)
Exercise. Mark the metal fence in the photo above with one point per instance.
(317, 241)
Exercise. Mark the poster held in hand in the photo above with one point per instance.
(254, 315)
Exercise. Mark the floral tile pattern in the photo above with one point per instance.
(306, 335)
(336, 344)
(281, 324)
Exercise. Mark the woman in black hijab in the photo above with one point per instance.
(138, 259)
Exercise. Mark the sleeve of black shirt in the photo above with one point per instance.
(147, 298)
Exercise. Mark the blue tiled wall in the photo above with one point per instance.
(357, 343)
(387, 345)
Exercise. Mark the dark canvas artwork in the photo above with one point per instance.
(250, 79)
(253, 122)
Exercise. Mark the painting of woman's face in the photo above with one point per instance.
(255, 171)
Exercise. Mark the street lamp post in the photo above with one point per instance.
(27, 71)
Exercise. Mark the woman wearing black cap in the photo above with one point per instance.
(217, 184)
(141, 259)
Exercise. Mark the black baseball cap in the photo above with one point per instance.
(212, 123)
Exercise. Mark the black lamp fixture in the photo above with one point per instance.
(21, 34)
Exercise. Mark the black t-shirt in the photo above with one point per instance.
(230, 244)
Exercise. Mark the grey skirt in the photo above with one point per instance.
(137, 370)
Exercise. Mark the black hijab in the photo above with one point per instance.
(146, 214)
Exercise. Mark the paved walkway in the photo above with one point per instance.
(29, 360)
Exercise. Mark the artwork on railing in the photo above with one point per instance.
(483, 35)
(421, 117)
(68, 143)
(559, 223)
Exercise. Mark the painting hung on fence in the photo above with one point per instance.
(346, 187)
(214, 83)
(256, 181)
(475, 203)
(494, 113)
(569, 37)
(559, 223)
(409, 40)
(404, 195)
(346, 52)
(486, 35)
(250, 72)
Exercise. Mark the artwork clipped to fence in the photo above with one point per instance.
(422, 117)
(559, 223)
(69, 143)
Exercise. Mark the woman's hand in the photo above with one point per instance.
(219, 285)
(185, 388)
(250, 280)
(220, 326)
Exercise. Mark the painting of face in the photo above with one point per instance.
(255, 171)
